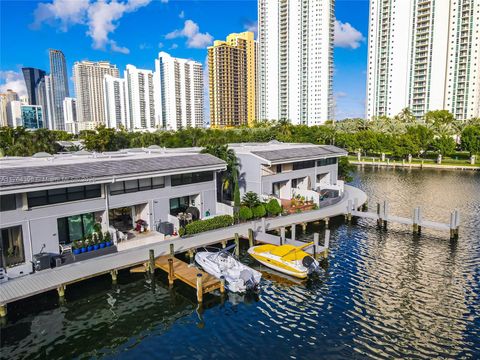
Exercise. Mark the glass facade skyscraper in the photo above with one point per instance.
(33, 77)
(59, 88)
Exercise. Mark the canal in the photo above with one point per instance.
(385, 294)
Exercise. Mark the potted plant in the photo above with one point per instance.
(108, 239)
(89, 242)
(95, 241)
(101, 240)
(83, 246)
(76, 247)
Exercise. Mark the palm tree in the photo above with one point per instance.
(406, 116)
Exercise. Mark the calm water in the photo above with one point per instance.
(384, 295)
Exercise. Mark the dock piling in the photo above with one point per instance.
(315, 245)
(264, 225)
(151, 268)
(292, 231)
(222, 284)
(224, 244)
(171, 274)
(251, 240)
(199, 288)
(282, 235)
(237, 245)
(385, 214)
(379, 215)
(3, 311)
(61, 291)
(304, 228)
(114, 274)
(326, 243)
(172, 250)
(326, 222)
(415, 221)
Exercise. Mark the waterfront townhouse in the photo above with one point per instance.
(287, 170)
(48, 202)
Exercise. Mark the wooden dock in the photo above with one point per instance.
(178, 269)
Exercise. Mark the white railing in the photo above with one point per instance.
(340, 187)
(224, 209)
(309, 195)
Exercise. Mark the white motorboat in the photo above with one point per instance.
(238, 277)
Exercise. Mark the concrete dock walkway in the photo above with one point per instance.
(58, 278)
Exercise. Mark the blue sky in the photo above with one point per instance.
(134, 31)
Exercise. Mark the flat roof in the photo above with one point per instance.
(85, 167)
(278, 152)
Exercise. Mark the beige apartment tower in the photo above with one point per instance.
(232, 67)
(89, 88)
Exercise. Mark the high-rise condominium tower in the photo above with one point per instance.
(89, 80)
(140, 98)
(296, 60)
(178, 92)
(115, 102)
(424, 55)
(232, 66)
(70, 115)
(33, 79)
(59, 88)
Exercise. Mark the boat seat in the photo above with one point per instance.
(264, 248)
(283, 250)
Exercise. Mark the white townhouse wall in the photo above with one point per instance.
(295, 61)
(264, 164)
(425, 55)
(179, 98)
(140, 102)
(115, 102)
(39, 194)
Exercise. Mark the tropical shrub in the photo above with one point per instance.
(259, 211)
(216, 222)
(245, 213)
(273, 207)
(250, 199)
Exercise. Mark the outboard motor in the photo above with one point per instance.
(311, 264)
(248, 279)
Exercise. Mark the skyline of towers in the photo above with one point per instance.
(115, 102)
(178, 88)
(424, 55)
(59, 88)
(33, 77)
(233, 80)
(295, 60)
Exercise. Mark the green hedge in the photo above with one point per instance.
(245, 213)
(209, 224)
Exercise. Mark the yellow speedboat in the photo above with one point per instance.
(288, 259)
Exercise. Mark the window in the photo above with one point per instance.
(11, 241)
(191, 178)
(57, 196)
(130, 186)
(279, 168)
(329, 161)
(303, 165)
(8, 202)
(75, 227)
(178, 205)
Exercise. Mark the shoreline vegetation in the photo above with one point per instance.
(399, 138)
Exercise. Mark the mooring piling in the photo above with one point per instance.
(114, 274)
(171, 274)
(315, 245)
(282, 235)
(151, 267)
(199, 288)
(251, 240)
(237, 245)
(292, 231)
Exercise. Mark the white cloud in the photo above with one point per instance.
(251, 26)
(182, 14)
(346, 36)
(160, 45)
(174, 46)
(100, 16)
(340, 94)
(14, 81)
(195, 39)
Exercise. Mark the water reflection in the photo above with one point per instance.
(384, 294)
